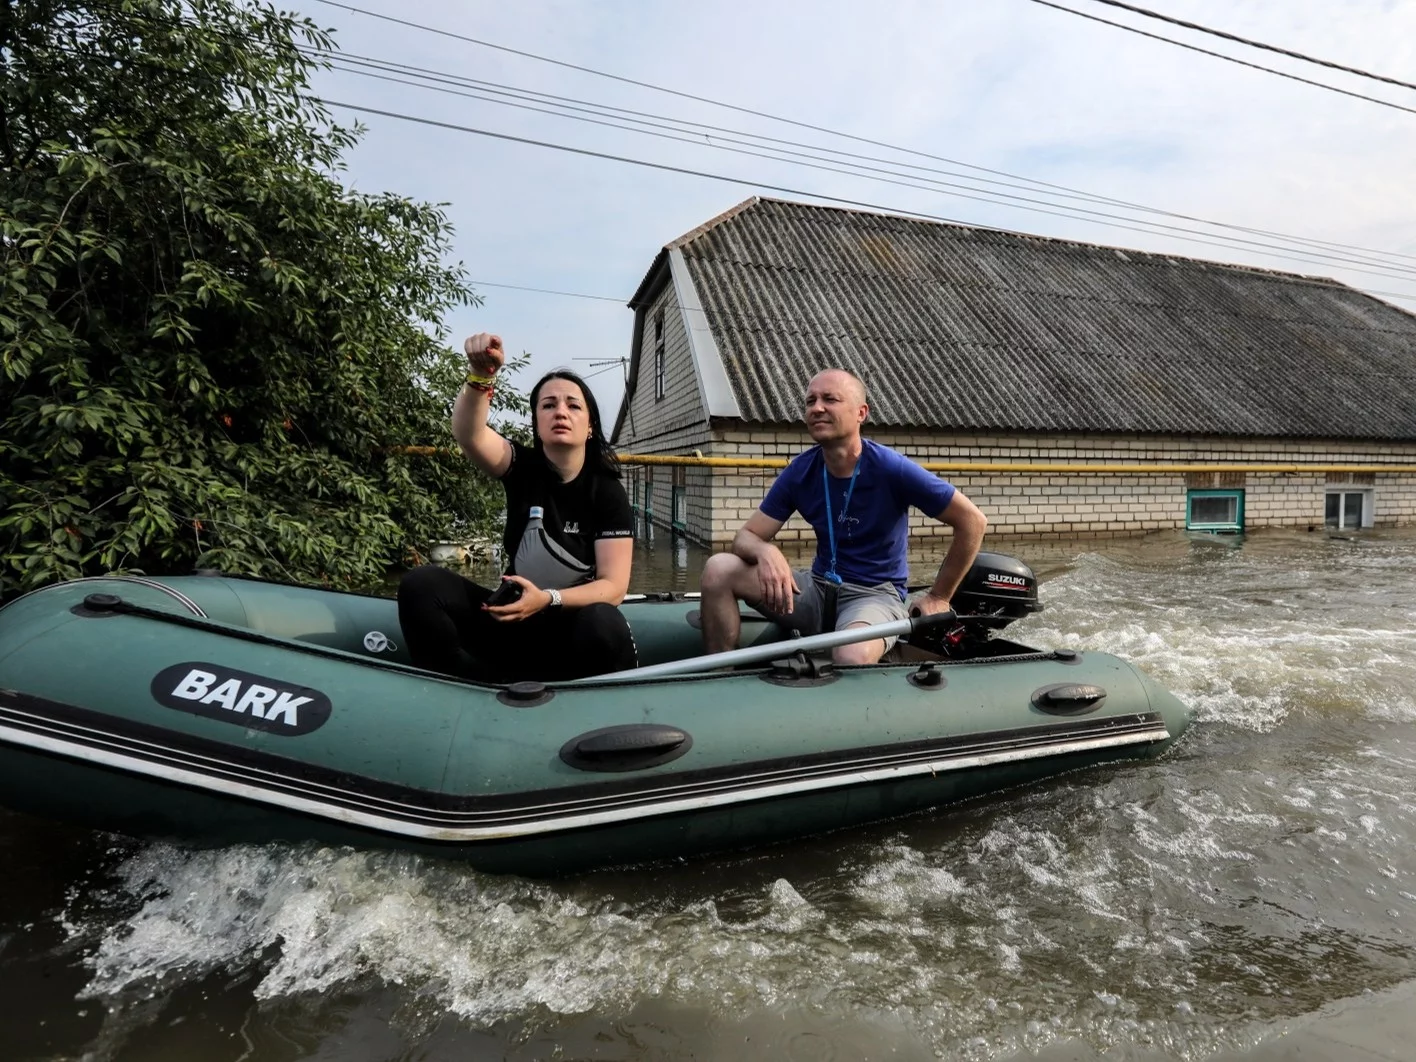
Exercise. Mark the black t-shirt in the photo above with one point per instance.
(590, 507)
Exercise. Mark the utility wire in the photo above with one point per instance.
(1206, 51)
(438, 82)
(745, 182)
(759, 317)
(697, 139)
(1016, 202)
(543, 291)
(1255, 44)
(849, 136)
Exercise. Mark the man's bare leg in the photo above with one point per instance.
(727, 579)
(859, 652)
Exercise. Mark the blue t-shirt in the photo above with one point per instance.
(871, 531)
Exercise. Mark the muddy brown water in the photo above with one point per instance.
(1260, 871)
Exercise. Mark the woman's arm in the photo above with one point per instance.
(484, 447)
(613, 559)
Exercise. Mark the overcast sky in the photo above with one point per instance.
(1005, 85)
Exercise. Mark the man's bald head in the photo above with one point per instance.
(840, 379)
(835, 406)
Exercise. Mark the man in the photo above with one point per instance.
(856, 494)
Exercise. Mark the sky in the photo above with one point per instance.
(1042, 98)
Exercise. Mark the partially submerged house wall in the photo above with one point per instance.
(1102, 504)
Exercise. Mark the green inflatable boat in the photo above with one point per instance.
(226, 709)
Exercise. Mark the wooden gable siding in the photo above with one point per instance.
(674, 424)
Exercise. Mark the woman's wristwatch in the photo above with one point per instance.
(555, 599)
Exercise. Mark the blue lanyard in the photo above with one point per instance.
(831, 576)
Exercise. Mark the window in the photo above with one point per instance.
(679, 499)
(680, 508)
(659, 355)
(1214, 510)
(1348, 510)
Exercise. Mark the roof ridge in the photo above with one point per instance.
(711, 223)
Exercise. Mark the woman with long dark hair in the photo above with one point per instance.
(569, 539)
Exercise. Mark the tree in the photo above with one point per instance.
(210, 350)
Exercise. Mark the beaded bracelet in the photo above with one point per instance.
(479, 383)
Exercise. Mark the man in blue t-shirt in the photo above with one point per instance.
(856, 495)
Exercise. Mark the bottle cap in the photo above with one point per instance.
(537, 512)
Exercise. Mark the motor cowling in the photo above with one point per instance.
(998, 587)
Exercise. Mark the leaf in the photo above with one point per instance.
(192, 254)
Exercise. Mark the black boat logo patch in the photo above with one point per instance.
(242, 698)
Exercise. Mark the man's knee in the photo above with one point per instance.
(721, 574)
(868, 652)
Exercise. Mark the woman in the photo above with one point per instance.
(569, 534)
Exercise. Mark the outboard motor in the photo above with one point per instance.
(997, 590)
(999, 587)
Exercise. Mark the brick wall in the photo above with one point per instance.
(1100, 504)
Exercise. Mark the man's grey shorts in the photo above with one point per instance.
(854, 605)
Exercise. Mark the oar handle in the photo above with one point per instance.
(919, 623)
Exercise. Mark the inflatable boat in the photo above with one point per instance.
(227, 709)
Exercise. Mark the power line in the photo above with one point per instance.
(762, 317)
(544, 291)
(1255, 44)
(986, 195)
(866, 140)
(873, 173)
(748, 183)
(1216, 55)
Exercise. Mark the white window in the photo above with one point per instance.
(1348, 509)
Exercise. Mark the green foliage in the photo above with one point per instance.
(209, 348)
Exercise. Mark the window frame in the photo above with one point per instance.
(659, 358)
(1365, 519)
(1234, 526)
(678, 507)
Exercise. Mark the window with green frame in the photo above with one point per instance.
(678, 500)
(680, 508)
(1214, 510)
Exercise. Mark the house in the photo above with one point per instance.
(1069, 389)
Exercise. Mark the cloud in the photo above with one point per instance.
(1011, 86)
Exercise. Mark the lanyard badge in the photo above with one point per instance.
(831, 576)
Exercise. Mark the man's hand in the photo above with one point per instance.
(775, 581)
(929, 604)
(484, 353)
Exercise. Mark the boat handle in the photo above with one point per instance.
(1068, 697)
(626, 748)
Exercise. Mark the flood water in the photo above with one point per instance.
(1180, 909)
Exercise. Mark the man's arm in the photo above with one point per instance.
(969, 524)
(753, 544)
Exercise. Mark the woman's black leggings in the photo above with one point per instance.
(446, 630)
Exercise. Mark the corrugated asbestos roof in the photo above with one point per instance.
(965, 328)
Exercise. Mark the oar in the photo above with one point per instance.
(755, 654)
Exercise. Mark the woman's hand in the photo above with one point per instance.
(484, 353)
(532, 600)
